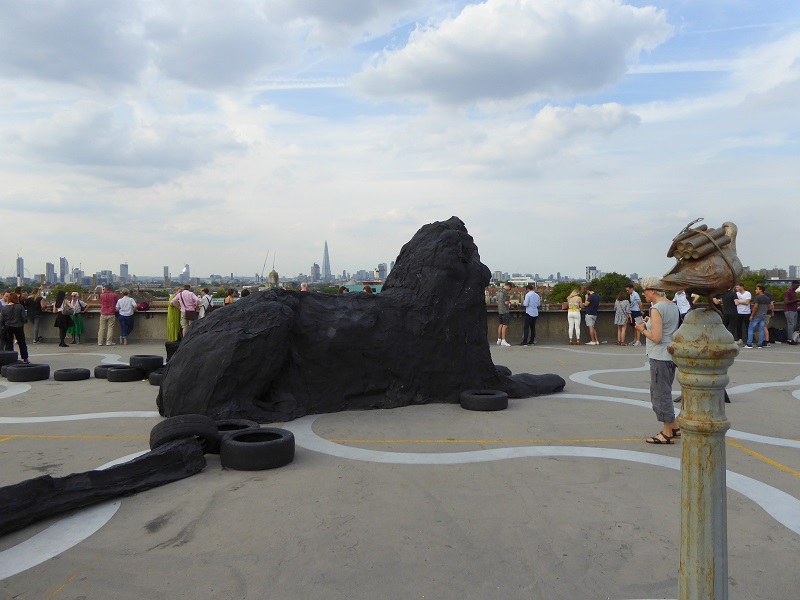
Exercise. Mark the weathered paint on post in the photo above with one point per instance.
(703, 350)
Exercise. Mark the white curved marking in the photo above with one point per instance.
(734, 433)
(585, 377)
(14, 389)
(752, 387)
(108, 358)
(784, 508)
(82, 417)
(60, 536)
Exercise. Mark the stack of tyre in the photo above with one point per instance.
(140, 367)
(242, 445)
(15, 370)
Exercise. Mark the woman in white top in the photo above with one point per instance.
(126, 306)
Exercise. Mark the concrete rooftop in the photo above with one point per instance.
(433, 501)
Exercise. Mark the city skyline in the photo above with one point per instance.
(562, 132)
(317, 274)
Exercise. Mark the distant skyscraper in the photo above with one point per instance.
(20, 267)
(50, 273)
(793, 271)
(380, 272)
(592, 273)
(123, 272)
(315, 275)
(326, 265)
(63, 269)
(166, 272)
(186, 274)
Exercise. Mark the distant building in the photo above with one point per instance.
(49, 273)
(380, 272)
(498, 276)
(315, 273)
(793, 271)
(166, 272)
(326, 265)
(63, 270)
(186, 274)
(123, 272)
(520, 281)
(20, 268)
(592, 273)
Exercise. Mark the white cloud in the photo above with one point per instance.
(506, 49)
(80, 42)
(121, 144)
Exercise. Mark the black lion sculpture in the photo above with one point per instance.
(279, 355)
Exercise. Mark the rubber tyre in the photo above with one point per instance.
(100, 371)
(126, 373)
(8, 357)
(201, 427)
(4, 368)
(257, 450)
(227, 426)
(484, 400)
(23, 372)
(71, 374)
(156, 377)
(146, 362)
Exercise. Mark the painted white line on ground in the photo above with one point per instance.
(734, 433)
(585, 378)
(13, 389)
(781, 506)
(61, 535)
(83, 417)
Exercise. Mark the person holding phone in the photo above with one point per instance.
(658, 330)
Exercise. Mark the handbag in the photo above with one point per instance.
(191, 315)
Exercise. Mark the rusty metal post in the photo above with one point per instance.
(703, 350)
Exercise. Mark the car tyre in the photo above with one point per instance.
(8, 357)
(226, 426)
(156, 377)
(27, 372)
(484, 400)
(72, 374)
(200, 427)
(147, 362)
(101, 371)
(257, 449)
(124, 373)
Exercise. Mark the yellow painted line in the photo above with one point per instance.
(72, 578)
(451, 441)
(75, 437)
(765, 459)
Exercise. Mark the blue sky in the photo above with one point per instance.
(563, 132)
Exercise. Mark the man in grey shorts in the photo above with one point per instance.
(503, 313)
(592, 304)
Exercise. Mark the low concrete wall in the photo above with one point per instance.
(551, 327)
(150, 325)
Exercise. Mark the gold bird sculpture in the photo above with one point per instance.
(707, 261)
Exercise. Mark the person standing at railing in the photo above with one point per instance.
(126, 306)
(108, 311)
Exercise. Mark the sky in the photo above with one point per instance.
(564, 133)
